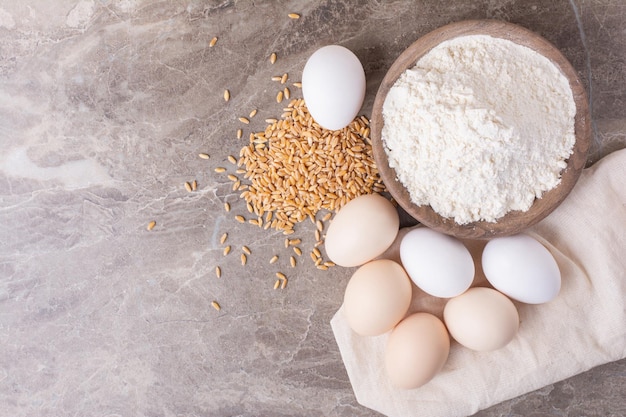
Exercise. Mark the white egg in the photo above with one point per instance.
(333, 86)
(522, 268)
(440, 265)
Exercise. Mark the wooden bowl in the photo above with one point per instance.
(514, 221)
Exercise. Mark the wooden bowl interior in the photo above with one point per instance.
(514, 221)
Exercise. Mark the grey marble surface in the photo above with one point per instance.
(104, 107)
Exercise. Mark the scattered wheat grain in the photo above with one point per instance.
(295, 168)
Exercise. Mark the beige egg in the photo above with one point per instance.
(416, 350)
(481, 319)
(363, 229)
(377, 297)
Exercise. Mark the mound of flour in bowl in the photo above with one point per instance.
(479, 127)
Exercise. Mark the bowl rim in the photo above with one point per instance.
(514, 221)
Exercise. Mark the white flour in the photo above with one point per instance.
(479, 127)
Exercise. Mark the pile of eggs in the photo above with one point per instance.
(379, 293)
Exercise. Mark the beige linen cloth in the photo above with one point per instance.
(583, 327)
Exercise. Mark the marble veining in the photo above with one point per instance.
(104, 107)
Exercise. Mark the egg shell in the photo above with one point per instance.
(481, 319)
(363, 229)
(440, 265)
(416, 350)
(333, 86)
(522, 268)
(377, 297)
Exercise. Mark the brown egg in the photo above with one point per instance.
(417, 349)
(377, 297)
(481, 319)
(363, 229)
